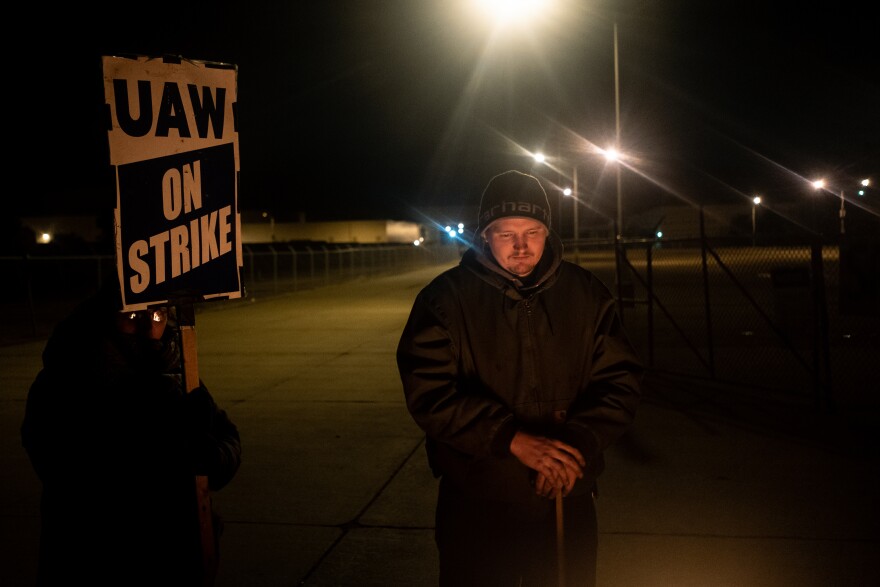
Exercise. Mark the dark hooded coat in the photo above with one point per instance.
(116, 444)
(484, 354)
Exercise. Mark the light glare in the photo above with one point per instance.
(509, 11)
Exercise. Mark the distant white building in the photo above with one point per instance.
(47, 228)
(259, 226)
(349, 231)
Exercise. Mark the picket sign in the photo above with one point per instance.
(174, 147)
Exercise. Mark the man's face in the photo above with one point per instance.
(517, 243)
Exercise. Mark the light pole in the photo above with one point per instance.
(613, 156)
(568, 192)
(573, 192)
(864, 183)
(617, 135)
(755, 201)
(574, 208)
(271, 218)
(819, 184)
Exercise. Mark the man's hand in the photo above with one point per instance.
(558, 464)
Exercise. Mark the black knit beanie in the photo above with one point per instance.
(513, 193)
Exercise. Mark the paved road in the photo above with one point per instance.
(714, 486)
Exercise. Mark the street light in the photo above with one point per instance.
(863, 183)
(568, 192)
(271, 219)
(819, 184)
(574, 208)
(507, 13)
(755, 201)
(612, 155)
(617, 134)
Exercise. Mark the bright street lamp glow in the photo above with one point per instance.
(611, 154)
(539, 157)
(865, 182)
(819, 184)
(566, 191)
(506, 11)
(756, 200)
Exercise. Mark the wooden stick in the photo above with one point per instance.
(560, 540)
(186, 321)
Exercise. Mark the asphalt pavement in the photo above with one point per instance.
(714, 486)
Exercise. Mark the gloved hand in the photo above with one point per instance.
(196, 419)
(198, 410)
(204, 452)
(210, 442)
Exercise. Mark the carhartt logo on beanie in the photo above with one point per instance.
(513, 193)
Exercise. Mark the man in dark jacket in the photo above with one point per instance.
(117, 445)
(517, 367)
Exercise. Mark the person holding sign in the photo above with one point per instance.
(116, 443)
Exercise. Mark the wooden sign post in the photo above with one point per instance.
(186, 320)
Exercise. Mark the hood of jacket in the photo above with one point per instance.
(481, 262)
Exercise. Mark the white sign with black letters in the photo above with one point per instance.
(174, 146)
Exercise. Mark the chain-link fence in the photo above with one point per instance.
(802, 317)
(45, 288)
(795, 316)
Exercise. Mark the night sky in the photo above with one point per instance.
(379, 109)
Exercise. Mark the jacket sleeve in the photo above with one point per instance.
(42, 419)
(606, 407)
(212, 439)
(442, 401)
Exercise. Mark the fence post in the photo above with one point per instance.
(250, 254)
(30, 294)
(274, 268)
(708, 306)
(820, 339)
(293, 263)
(649, 269)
